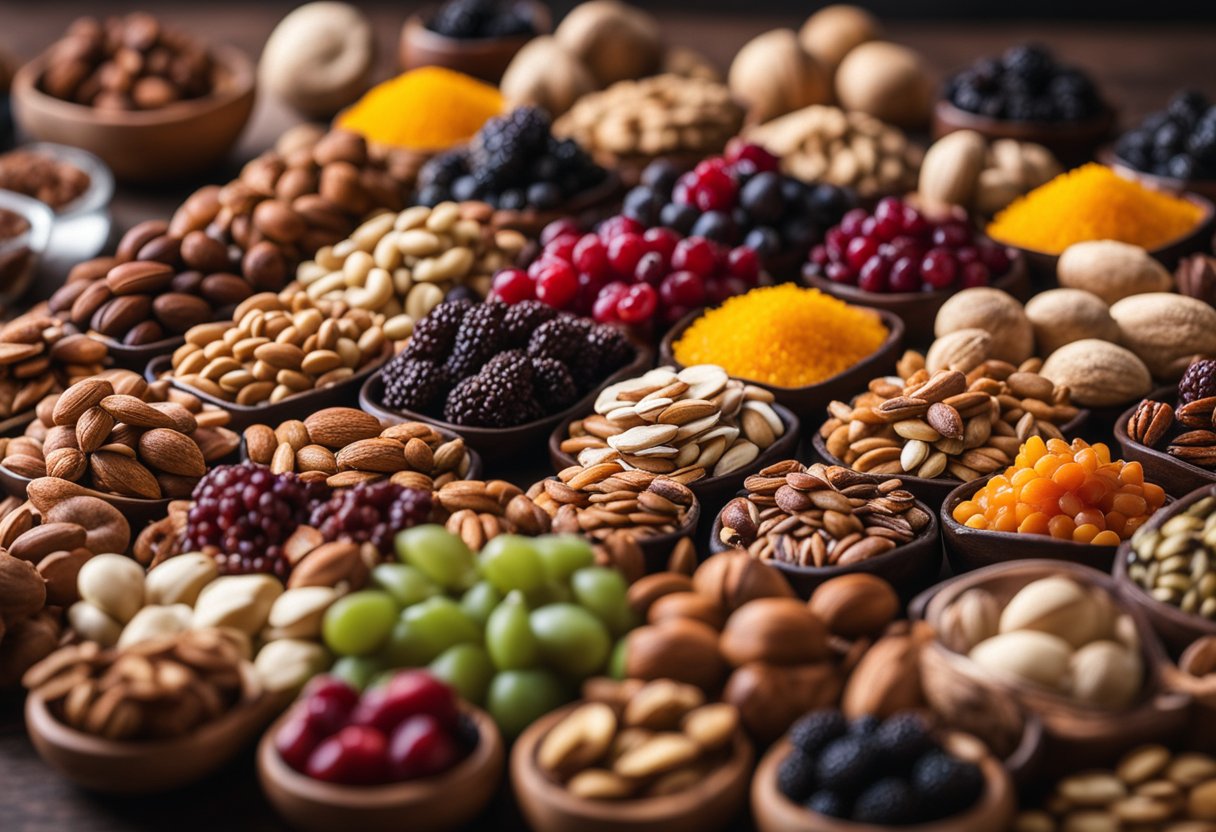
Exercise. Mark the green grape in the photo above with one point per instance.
(562, 554)
(511, 562)
(550, 592)
(357, 671)
(618, 662)
(571, 639)
(442, 623)
(517, 698)
(405, 583)
(603, 591)
(509, 635)
(480, 601)
(440, 555)
(359, 623)
(466, 667)
(407, 647)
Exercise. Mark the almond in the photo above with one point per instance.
(383, 456)
(22, 589)
(183, 419)
(172, 452)
(260, 443)
(337, 427)
(178, 312)
(79, 349)
(66, 463)
(40, 541)
(139, 277)
(774, 630)
(315, 458)
(45, 493)
(120, 314)
(119, 475)
(135, 411)
(855, 605)
(92, 429)
(886, 680)
(216, 443)
(24, 465)
(80, 397)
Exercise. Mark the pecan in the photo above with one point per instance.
(1197, 414)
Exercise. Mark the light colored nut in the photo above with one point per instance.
(114, 584)
(286, 664)
(179, 580)
(153, 622)
(239, 602)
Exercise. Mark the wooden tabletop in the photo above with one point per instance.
(1138, 65)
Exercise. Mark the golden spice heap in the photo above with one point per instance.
(1092, 202)
(782, 335)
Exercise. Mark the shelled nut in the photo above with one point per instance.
(1174, 563)
(607, 497)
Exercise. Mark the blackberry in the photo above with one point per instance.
(243, 514)
(1198, 382)
(501, 151)
(946, 785)
(444, 169)
(828, 803)
(413, 383)
(372, 513)
(817, 729)
(563, 338)
(555, 387)
(889, 802)
(796, 776)
(497, 400)
(512, 364)
(608, 350)
(523, 318)
(462, 18)
(864, 725)
(846, 764)
(901, 740)
(480, 337)
(434, 335)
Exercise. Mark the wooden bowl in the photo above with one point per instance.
(144, 767)
(446, 801)
(138, 511)
(713, 803)
(484, 58)
(909, 568)
(774, 812)
(808, 402)
(1203, 187)
(172, 142)
(1177, 629)
(1072, 142)
(139, 358)
(918, 310)
(1176, 476)
(344, 393)
(498, 444)
(1075, 736)
(586, 208)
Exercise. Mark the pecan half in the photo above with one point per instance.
(1149, 424)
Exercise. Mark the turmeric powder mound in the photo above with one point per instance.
(426, 109)
(1092, 202)
(782, 335)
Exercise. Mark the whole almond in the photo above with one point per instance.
(172, 452)
(139, 277)
(329, 564)
(79, 349)
(22, 589)
(260, 443)
(178, 312)
(382, 456)
(316, 458)
(216, 442)
(337, 427)
(92, 429)
(945, 420)
(66, 463)
(41, 540)
(120, 314)
(118, 474)
(135, 411)
(24, 465)
(80, 397)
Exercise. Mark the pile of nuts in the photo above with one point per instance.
(1151, 788)
(820, 516)
(119, 435)
(127, 63)
(827, 144)
(1154, 424)
(277, 346)
(606, 498)
(656, 116)
(42, 176)
(480, 510)
(37, 357)
(121, 607)
(158, 689)
(1173, 563)
(403, 265)
(962, 168)
(686, 425)
(341, 446)
(1054, 634)
(950, 424)
(664, 740)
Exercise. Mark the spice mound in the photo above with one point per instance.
(1092, 202)
(782, 335)
(1174, 563)
(1070, 492)
(43, 177)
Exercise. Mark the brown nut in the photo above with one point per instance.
(645, 591)
(687, 605)
(855, 605)
(734, 578)
(774, 630)
(679, 649)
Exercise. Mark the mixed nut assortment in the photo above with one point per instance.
(39, 357)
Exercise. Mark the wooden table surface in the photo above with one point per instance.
(1138, 65)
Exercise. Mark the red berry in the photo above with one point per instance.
(914, 223)
(951, 235)
(638, 304)
(616, 225)
(975, 274)
(513, 285)
(873, 275)
(906, 245)
(624, 252)
(296, 740)
(760, 158)
(835, 242)
(409, 692)
(683, 289)
(421, 747)
(939, 268)
(559, 228)
(714, 164)
(967, 254)
(995, 257)
(851, 222)
(695, 254)
(562, 248)
(671, 314)
(744, 264)
(860, 250)
(819, 255)
(650, 269)
(904, 275)
(661, 241)
(715, 190)
(681, 192)
(888, 218)
(590, 256)
(557, 284)
(604, 308)
(840, 273)
(356, 755)
(327, 704)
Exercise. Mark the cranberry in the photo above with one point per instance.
(537, 265)
(819, 255)
(559, 228)
(683, 289)
(661, 241)
(914, 223)
(995, 257)
(869, 228)
(296, 740)
(888, 216)
(604, 308)
(562, 248)
(617, 225)
(556, 284)
(408, 693)
(715, 190)
(671, 314)
(421, 747)
(851, 222)
(859, 251)
(760, 158)
(624, 252)
(710, 166)
(873, 275)
(840, 273)
(590, 256)
(836, 241)
(904, 275)
(696, 254)
(967, 254)
(951, 235)
(356, 755)
(905, 245)
(513, 285)
(975, 274)
(938, 268)
(638, 304)
(650, 269)
(328, 703)
(681, 192)
(744, 264)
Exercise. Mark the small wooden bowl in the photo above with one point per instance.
(138, 511)
(484, 58)
(774, 812)
(1177, 629)
(446, 801)
(1072, 142)
(498, 444)
(586, 208)
(918, 310)
(713, 803)
(1076, 736)
(144, 767)
(344, 393)
(1203, 187)
(808, 402)
(909, 568)
(1176, 476)
(139, 358)
(172, 142)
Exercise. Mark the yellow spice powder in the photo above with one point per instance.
(782, 335)
(1092, 202)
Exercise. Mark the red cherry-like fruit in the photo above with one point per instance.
(604, 308)
(296, 740)
(695, 254)
(556, 284)
(638, 304)
(683, 289)
(558, 228)
(590, 256)
(744, 263)
(357, 755)
(327, 704)
(513, 286)
(624, 252)
(420, 747)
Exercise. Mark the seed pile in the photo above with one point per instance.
(1173, 563)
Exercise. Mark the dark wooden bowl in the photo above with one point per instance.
(713, 803)
(139, 512)
(711, 491)
(498, 444)
(15, 425)
(918, 310)
(144, 767)
(808, 402)
(1076, 736)
(432, 804)
(909, 568)
(1176, 476)
(171, 142)
(139, 358)
(1072, 142)
(774, 812)
(1203, 187)
(484, 58)
(587, 209)
(1177, 629)
(343, 394)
